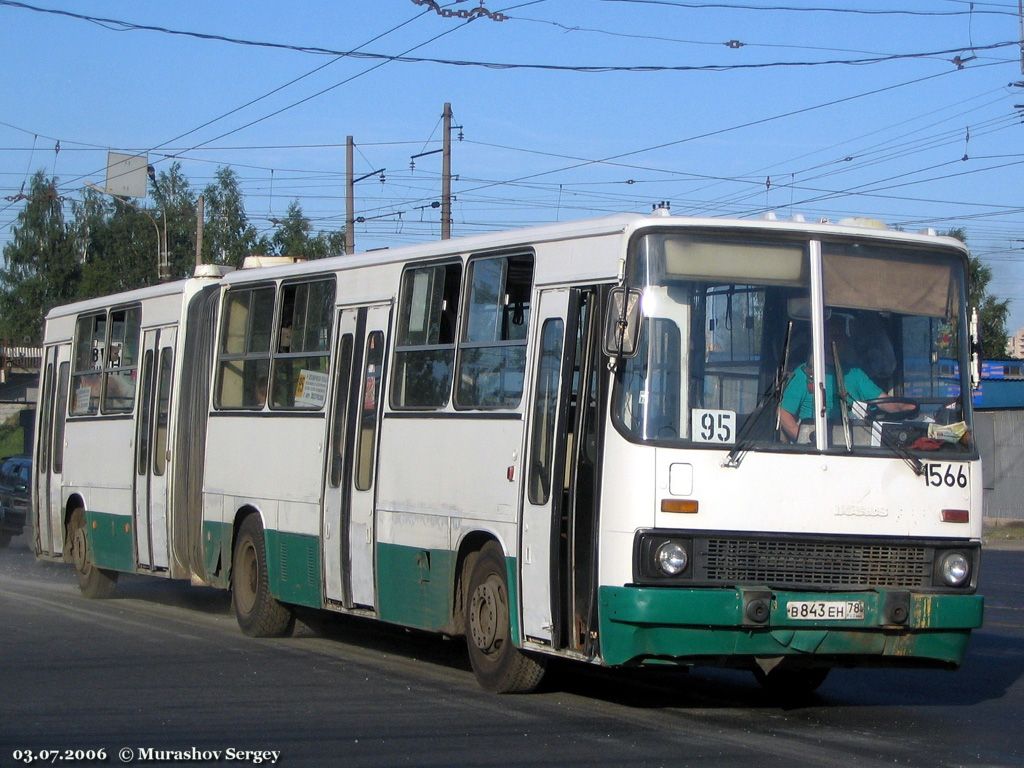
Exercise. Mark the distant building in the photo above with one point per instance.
(1015, 345)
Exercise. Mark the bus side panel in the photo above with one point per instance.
(440, 480)
(414, 583)
(294, 568)
(273, 464)
(97, 469)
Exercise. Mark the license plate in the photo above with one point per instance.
(825, 610)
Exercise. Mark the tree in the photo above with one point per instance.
(327, 244)
(118, 242)
(175, 200)
(993, 313)
(41, 267)
(291, 238)
(227, 237)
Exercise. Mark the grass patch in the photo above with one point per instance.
(1009, 530)
(12, 440)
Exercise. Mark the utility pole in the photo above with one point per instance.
(446, 171)
(446, 174)
(350, 213)
(200, 219)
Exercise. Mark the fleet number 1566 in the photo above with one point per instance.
(949, 475)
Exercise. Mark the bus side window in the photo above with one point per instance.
(300, 363)
(121, 371)
(545, 406)
(244, 366)
(90, 341)
(344, 376)
(369, 410)
(425, 344)
(492, 351)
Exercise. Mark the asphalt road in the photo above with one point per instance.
(161, 674)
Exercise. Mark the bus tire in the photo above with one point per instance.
(258, 613)
(499, 666)
(94, 583)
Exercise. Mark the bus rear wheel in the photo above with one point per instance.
(93, 582)
(499, 666)
(258, 613)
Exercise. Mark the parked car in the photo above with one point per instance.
(15, 478)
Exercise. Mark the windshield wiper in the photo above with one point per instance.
(843, 395)
(844, 408)
(887, 442)
(771, 395)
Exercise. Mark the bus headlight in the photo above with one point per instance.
(672, 558)
(955, 569)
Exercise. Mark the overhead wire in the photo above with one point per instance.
(604, 68)
(804, 9)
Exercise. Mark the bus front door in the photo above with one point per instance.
(49, 452)
(545, 468)
(348, 530)
(151, 530)
(558, 534)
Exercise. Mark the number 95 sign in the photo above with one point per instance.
(713, 426)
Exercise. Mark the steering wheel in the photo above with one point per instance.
(875, 412)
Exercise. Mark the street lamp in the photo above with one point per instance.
(163, 267)
(162, 271)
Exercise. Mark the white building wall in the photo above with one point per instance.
(1015, 344)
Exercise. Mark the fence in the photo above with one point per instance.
(1000, 436)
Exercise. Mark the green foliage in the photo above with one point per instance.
(292, 234)
(993, 313)
(41, 268)
(174, 198)
(119, 245)
(112, 244)
(293, 237)
(227, 237)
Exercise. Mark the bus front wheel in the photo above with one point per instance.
(791, 683)
(93, 582)
(258, 613)
(499, 666)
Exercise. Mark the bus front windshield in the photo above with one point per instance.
(727, 352)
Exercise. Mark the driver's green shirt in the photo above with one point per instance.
(799, 400)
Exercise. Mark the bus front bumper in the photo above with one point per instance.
(879, 627)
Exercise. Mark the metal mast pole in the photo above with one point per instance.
(350, 203)
(200, 221)
(446, 175)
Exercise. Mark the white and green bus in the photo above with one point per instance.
(600, 440)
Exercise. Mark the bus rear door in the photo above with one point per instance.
(49, 452)
(151, 535)
(348, 529)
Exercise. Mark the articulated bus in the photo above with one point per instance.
(564, 441)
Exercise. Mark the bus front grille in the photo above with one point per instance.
(791, 563)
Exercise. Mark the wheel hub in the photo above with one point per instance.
(485, 616)
(79, 546)
(248, 576)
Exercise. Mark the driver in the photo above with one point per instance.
(797, 402)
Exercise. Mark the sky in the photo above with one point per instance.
(907, 111)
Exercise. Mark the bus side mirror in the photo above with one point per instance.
(975, 349)
(622, 323)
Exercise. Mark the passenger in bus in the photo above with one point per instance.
(261, 392)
